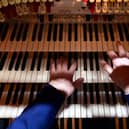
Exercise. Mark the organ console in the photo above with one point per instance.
(32, 32)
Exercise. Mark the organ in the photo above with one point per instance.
(34, 32)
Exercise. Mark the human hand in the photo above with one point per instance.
(120, 71)
(61, 77)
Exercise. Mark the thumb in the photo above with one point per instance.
(78, 82)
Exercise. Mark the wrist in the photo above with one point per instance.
(63, 85)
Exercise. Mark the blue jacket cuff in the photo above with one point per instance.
(49, 95)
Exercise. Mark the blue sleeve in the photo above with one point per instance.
(42, 113)
(127, 98)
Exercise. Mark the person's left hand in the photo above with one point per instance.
(61, 77)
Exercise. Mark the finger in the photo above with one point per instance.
(112, 54)
(106, 66)
(127, 54)
(64, 65)
(121, 50)
(72, 67)
(59, 65)
(52, 67)
(78, 82)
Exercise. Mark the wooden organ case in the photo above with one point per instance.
(34, 31)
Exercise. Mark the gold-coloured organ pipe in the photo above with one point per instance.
(30, 1)
(104, 6)
(0, 4)
(98, 6)
(118, 4)
(37, 0)
(111, 6)
(17, 1)
(42, 8)
(4, 3)
(11, 2)
(24, 1)
(126, 6)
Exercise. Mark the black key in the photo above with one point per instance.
(41, 17)
(96, 32)
(4, 32)
(1, 28)
(128, 123)
(69, 100)
(61, 123)
(18, 62)
(49, 32)
(75, 32)
(55, 32)
(39, 61)
(13, 34)
(11, 64)
(69, 123)
(85, 32)
(76, 123)
(107, 93)
(105, 32)
(91, 61)
(97, 61)
(15, 97)
(84, 92)
(126, 31)
(9, 94)
(90, 32)
(88, 17)
(24, 61)
(40, 34)
(61, 32)
(3, 59)
(33, 61)
(75, 57)
(120, 32)
(85, 60)
(22, 94)
(31, 93)
(50, 17)
(25, 31)
(4, 122)
(1, 89)
(111, 32)
(113, 95)
(69, 32)
(38, 91)
(75, 97)
(97, 93)
(121, 123)
(48, 60)
(91, 93)
(55, 56)
(69, 59)
(34, 32)
(105, 56)
(20, 31)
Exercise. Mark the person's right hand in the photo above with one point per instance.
(61, 77)
(120, 71)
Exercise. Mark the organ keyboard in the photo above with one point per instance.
(34, 67)
(34, 32)
(60, 37)
(91, 100)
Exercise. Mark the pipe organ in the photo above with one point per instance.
(32, 32)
